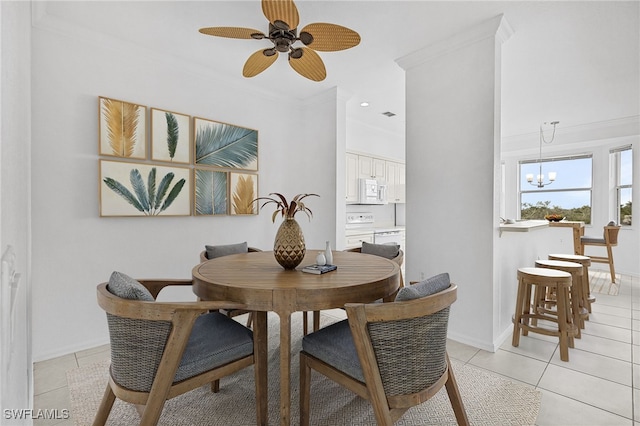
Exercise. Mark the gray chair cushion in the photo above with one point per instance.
(334, 345)
(125, 287)
(592, 240)
(383, 250)
(215, 340)
(424, 288)
(225, 250)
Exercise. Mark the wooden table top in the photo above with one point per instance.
(252, 278)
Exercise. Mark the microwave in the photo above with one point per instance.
(372, 191)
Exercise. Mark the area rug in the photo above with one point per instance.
(600, 282)
(488, 399)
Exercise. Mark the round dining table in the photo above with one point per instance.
(258, 281)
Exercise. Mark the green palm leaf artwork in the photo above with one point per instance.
(211, 192)
(144, 197)
(121, 121)
(225, 145)
(172, 133)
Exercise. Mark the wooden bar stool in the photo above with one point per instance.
(578, 312)
(552, 279)
(585, 261)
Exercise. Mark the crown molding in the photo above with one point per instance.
(497, 27)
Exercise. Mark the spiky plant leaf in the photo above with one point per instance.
(139, 188)
(224, 145)
(122, 121)
(172, 133)
(173, 194)
(151, 186)
(243, 195)
(121, 190)
(204, 192)
(211, 192)
(162, 189)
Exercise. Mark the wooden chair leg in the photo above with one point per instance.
(305, 323)
(316, 320)
(105, 407)
(454, 396)
(215, 386)
(305, 390)
(250, 320)
(612, 269)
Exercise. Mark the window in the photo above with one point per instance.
(622, 174)
(569, 194)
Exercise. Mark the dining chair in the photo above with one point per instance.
(160, 350)
(609, 239)
(392, 354)
(214, 251)
(390, 251)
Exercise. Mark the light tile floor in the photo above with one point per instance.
(600, 385)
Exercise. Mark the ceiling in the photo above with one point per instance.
(573, 61)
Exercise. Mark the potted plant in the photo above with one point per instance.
(288, 248)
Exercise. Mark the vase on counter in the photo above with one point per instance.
(289, 248)
(327, 253)
(320, 259)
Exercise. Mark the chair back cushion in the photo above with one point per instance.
(424, 288)
(383, 250)
(136, 345)
(225, 250)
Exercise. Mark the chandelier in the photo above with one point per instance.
(539, 182)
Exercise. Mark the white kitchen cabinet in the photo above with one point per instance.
(353, 241)
(371, 167)
(352, 178)
(395, 176)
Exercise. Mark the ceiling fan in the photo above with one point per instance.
(283, 33)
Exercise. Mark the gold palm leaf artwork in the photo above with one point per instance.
(243, 195)
(122, 120)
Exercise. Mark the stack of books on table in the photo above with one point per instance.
(319, 269)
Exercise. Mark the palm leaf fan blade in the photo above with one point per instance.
(243, 196)
(139, 189)
(257, 63)
(309, 65)
(330, 37)
(281, 10)
(121, 190)
(172, 134)
(173, 194)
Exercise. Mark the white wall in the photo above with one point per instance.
(367, 139)
(15, 146)
(74, 249)
(453, 125)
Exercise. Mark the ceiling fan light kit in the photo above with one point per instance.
(283, 33)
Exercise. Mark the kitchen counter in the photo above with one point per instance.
(524, 226)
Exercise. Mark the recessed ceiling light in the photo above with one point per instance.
(364, 104)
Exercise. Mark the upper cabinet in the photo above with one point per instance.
(352, 178)
(368, 167)
(371, 168)
(395, 173)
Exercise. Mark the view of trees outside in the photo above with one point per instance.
(624, 184)
(569, 195)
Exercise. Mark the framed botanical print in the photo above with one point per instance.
(224, 145)
(243, 190)
(170, 136)
(137, 189)
(122, 129)
(211, 189)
